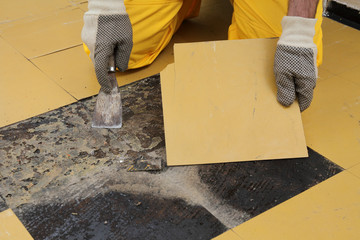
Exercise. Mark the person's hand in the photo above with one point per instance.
(107, 32)
(295, 61)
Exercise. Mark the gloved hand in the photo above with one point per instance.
(107, 32)
(295, 61)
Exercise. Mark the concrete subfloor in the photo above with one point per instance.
(66, 180)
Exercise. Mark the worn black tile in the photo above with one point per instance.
(117, 215)
(257, 186)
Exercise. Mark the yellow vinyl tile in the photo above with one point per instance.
(347, 36)
(323, 74)
(73, 70)
(13, 10)
(341, 47)
(330, 211)
(11, 228)
(228, 235)
(221, 105)
(25, 91)
(328, 25)
(331, 124)
(53, 32)
(338, 58)
(355, 170)
(77, 1)
(352, 75)
(84, 6)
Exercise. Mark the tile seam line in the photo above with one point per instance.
(353, 165)
(71, 5)
(237, 234)
(50, 53)
(340, 73)
(232, 230)
(51, 79)
(47, 76)
(357, 176)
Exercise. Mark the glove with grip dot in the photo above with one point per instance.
(295, 61)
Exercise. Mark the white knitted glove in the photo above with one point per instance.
(107, 32)
(295, 61)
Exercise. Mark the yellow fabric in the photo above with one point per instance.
(86, 49)
(262, 19)
(154, 23)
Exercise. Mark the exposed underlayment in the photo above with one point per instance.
(66, 180)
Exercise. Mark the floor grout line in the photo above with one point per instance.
(54, 52)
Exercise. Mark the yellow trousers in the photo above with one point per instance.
(154, 23)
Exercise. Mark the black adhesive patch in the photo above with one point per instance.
(120, 216)
(257, 186)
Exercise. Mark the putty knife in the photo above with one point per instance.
(108, 108)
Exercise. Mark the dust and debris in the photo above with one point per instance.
(183, 183)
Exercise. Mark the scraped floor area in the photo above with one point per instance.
(61, 179)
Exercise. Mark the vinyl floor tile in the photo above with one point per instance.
(331, 124)
(228, 235)
(351, 75)
(47, 34)
(28, 92)
(13, 10)
(329, 210)
(355, 170)
(328, 25)
(347, 36)
(323, 74)
(11, 228)
(72, 69)
(84, 6)
(340, 57)
(205, 118)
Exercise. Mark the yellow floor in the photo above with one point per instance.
(28, 30)
(11, 228)
(330, 210)
(40, 45)
(331, 124)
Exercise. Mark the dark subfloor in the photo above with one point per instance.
(66, 180)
